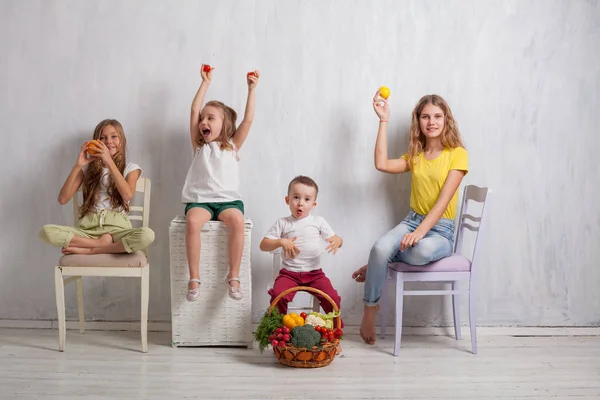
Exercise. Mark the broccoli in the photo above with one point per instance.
(305, 336)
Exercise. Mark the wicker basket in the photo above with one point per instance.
(300, 357)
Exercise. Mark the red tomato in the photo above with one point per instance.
(206, 68)
(253, 74)
(302, 314)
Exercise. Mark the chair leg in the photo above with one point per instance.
(145, 288)
(383, 308)
(59, 288)
(456, 312)
(80, 304)
(398, 313)
(315, 304)
(472, 321)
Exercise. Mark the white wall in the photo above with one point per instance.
(522, 78)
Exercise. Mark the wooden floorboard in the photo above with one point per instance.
(109, 365)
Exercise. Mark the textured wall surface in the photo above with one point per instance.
(522, 78)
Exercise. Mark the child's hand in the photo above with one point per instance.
(289, 248)
(380, 105)
(82, 158)
(206, 76)
(102, 153)
(252, 78)
(335, 242)
(410, 239)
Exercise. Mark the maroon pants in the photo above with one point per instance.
(315, 279)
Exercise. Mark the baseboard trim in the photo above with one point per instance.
(165, 326)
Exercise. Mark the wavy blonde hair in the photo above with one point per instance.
(228, 129)
(450, 135)
(93, 175)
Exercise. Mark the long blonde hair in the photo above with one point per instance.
(450, 135)
(93, 175)
(228, 129)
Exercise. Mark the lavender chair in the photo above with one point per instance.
(451, 269)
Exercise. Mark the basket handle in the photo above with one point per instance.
(307, 289)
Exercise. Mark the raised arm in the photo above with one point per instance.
(382, 162)
(242, 131)
(197, 105)
(73, 181)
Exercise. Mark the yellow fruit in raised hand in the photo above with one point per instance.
(384, 92)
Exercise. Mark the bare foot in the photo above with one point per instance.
(105, 240)
(77, 250)
(367, 326)
(360, 274)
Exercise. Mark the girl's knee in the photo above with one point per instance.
(235, 222)
(146, 237)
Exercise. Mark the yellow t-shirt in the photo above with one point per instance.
(428, 177)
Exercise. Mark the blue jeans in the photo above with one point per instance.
(436, 244)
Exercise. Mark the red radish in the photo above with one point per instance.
(281, 343)
(286, 337)
(279, 336)
(274, 343)
(278, 330)
(286, 329)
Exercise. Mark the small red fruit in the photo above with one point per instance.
(303, 315)
(206, 68)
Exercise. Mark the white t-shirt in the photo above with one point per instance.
(104, 199)
(310, 233)
(213, 176)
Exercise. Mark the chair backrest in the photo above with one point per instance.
(467, 220)
(139, 213)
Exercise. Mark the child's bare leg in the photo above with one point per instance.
(195, 220)
(234, 219)
(367, 326)
(84, 242)
(112, 248)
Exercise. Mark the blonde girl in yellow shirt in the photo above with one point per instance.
(438, 162)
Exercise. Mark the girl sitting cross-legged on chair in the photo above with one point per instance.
(109, 183)
(438, 162)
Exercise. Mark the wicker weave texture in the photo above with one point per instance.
(214, 319)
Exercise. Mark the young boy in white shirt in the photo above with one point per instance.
(301, 236)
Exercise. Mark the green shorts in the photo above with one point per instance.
(216, 208)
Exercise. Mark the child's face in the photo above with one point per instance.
(431, 121)
(301, 200)
(211, 123)
(111, 139)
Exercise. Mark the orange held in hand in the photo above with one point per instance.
(384, 92)
(93, 146)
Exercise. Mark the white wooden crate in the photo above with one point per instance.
(214, 319)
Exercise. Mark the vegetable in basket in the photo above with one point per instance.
(267, 327)
(328, 318)
(305, 336)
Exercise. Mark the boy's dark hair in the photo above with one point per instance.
(305, 180)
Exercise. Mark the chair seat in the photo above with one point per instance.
(453, 263)
(137, 259)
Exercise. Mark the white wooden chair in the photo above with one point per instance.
(122, 265)
(452, 269)
(295, 305)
